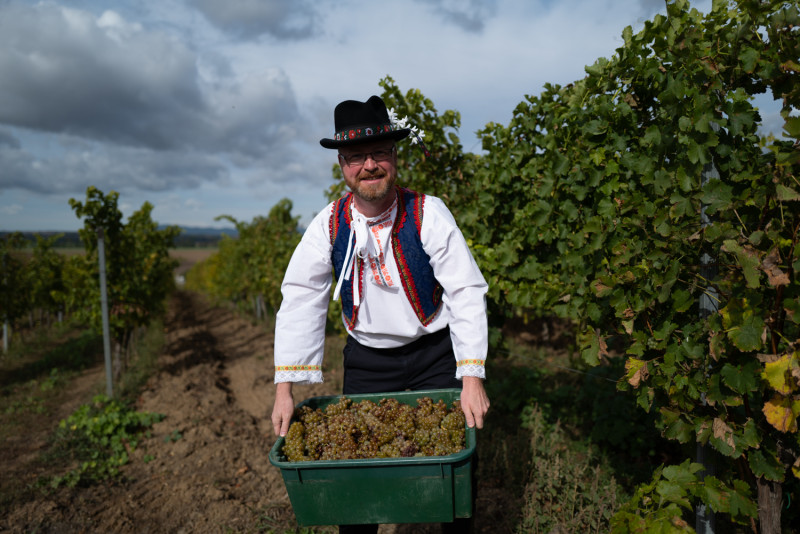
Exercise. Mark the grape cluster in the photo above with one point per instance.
(347, 430)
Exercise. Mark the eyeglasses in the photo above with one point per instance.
(383, 154)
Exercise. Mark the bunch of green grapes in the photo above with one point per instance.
(293, 447)
(386, 429)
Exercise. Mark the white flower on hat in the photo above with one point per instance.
(401, 123)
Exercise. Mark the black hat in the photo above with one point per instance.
(359, 122)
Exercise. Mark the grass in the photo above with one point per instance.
(563, 440)
(570, 486)
(145, 362)
(34, 372)
(64, 346)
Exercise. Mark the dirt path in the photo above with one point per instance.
(210, 471)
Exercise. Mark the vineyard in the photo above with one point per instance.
(640, 239)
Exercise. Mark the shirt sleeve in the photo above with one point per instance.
(464, 287)
(300, 322)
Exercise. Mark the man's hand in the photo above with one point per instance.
(283, 409)
(474, 400)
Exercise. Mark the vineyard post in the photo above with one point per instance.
(5, 317)
(101, 255)
(708, 304)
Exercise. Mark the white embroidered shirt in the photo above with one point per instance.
(385, 318)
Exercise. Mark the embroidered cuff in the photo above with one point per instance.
(470, 368)
(302, 374)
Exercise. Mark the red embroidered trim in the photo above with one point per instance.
(402, 264)
(459, 363)
(298, 368)
(333, 225)
(418, 216)
(363, 132)
(348, 217)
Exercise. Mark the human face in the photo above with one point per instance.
(372, 182)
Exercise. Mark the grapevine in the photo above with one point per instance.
(348, 430)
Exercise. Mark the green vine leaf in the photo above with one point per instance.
(748, 260)
(742, 380)
(764, 464)
(786, 194)
(746, 336)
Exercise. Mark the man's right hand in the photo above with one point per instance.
(283, 409)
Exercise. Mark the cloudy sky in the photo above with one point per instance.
(210, 107)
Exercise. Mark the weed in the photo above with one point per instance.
(99, 437)
(569, 489)
(174, 436)
(31, 397)
(149, 343)
(54, 380)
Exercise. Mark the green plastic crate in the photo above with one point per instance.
(424, 489)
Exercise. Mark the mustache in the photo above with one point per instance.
(365, 175)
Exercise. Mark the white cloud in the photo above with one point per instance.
(104, 78)
(65, 72)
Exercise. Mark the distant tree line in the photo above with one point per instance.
(188, 238)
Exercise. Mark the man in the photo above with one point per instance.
(413, 298)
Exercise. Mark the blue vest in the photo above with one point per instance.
(416, 274)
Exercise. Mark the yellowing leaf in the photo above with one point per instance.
(715, 345)
(723, 431)
(637, 371)
(781, 412)
(790, 65)
(767, 358)
(796, 468)
(628, 326)
(600, 288)
(775, 276)
(603, 352)
(680, 523)
(778, 375)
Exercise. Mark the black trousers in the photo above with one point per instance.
(427, 363)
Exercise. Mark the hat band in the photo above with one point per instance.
(363, 132)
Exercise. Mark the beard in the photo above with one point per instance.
(373, 192)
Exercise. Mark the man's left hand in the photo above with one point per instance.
(474, 401)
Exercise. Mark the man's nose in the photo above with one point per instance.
(370, 163)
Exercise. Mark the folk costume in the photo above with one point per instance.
(381, 309)
(408, 283)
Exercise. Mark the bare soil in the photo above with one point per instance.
(210, 470)
(187, 257)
